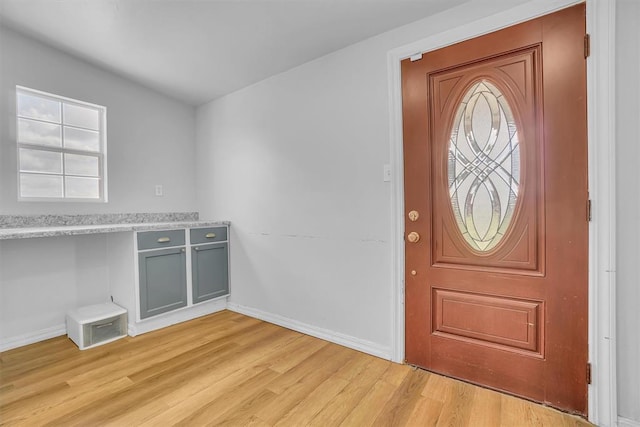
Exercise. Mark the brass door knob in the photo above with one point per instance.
(413, 237)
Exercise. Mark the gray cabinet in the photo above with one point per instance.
(210, 270)
(162, 278)
(208, 235)
(160, 239)
(180, 268)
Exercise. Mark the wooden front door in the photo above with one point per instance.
(496, 242)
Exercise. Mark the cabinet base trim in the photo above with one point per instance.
(32, 337)
(325, 334)
(181, 315)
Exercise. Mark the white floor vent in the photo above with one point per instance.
(95, 325)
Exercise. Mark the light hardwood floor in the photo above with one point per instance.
(232, 370)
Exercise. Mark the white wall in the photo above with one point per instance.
(41, 279)
(628, 208)
(151, 138)
(296, 162)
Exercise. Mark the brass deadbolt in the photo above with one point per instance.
(413, 216)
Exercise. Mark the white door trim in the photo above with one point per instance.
(601, 123)
(601, 90)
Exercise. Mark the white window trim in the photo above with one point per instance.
(101, 155)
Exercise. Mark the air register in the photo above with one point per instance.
(98, 324)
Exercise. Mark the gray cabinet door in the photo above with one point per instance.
(210, 271)
(163, 281)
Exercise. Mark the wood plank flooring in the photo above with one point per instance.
(227, 369)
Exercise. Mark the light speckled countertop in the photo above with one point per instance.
(74, 230)
(25, 226)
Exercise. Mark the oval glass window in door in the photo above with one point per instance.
(483, 166)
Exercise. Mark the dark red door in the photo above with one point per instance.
(495, 152)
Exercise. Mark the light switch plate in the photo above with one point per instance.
(159, 190)
(386, 173)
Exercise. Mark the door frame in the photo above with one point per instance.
(601, 154)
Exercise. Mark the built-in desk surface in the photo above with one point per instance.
(32, 226)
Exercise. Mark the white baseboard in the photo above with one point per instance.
(133, 329)
(325, 334)
(33, 337)
(178, 316)
(203, 309)
(626, 422)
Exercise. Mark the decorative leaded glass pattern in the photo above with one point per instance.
(483, 166)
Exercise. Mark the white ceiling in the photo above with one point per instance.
(198, 50)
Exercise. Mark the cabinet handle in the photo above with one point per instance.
(104, 325)
(210, 235)
(196, 249)
(164, 240)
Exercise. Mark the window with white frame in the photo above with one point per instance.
(61, 148)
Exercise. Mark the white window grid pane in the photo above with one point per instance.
(81, 187)
(52, 107)
(64, 174)
(99, 155)
(37, 132)
(42, 185)
(80, 116)
(81, 139)
(40, 161)
(84, 165)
